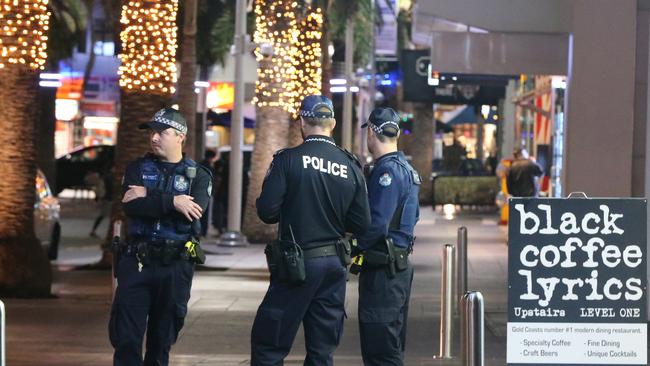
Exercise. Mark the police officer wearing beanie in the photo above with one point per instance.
(317, 193)
(386, 273)
(164, 196)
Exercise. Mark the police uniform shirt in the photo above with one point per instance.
(318, 189)
(390, 184)
(158, 203)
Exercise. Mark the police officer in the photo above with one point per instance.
(317, 193)
(386, 273)
(164, 196)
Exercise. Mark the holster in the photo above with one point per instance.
(344, 251)
(394, 259)
(193, 252)
(116, 249)
(286, 261)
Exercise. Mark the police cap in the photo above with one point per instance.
(383, 121)
(166, 118)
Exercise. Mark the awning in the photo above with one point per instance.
(224, 119)
(465, 114)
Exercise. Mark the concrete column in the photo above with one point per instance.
(640, 142)
(601, 98)
(646, 24)
(507, 128)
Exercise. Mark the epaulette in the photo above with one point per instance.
(279, 152)
(205, 169)
(415, 176)
(351, 156)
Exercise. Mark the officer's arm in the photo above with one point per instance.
(269, 203)
(202, 188)
(357, 218)
(154, 205)
(383, 197)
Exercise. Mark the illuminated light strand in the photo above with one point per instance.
(294, 70)
(23, 33)
(148, 37)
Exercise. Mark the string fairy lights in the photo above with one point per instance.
(23, 33)
(294, 69)
(307, 78)
(148, 46)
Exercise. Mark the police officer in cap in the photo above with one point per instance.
(164, 196)
(386, 273)
(317, 193)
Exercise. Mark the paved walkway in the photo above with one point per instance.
(70, 329)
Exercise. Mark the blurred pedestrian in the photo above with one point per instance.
(103, 196)
(209, 158)
(523, 175)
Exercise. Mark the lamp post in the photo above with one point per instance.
(233, 236)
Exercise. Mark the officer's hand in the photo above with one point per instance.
(134, 192)
(185, 204)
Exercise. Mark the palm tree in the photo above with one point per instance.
(307, 78)
(186, 95)
(24, 268)
(274, 22)
(420, 145)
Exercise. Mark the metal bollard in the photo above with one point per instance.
(472, 334)
(446, 301)
(461, 267)
(2, 334)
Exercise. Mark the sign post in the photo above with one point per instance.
(577, 286)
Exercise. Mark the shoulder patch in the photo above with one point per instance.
(351, 156)
(181, 183)
(385, 180)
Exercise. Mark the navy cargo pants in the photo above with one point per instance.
(154, 300)
(383, 313)
(319, 304)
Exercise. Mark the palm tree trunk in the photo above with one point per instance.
(186, 95)
(24, 268)
(295, 132)
(271, 133)
(423, 143)
(272, 118)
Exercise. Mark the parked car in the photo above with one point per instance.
(72, 168)
(46, 216)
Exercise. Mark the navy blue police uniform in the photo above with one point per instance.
(154, 277)
(317, 193)
(384, 293)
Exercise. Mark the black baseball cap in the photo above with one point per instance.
(166, 118)
(316, 106)
(384, 121)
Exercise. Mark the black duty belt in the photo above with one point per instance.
(154, 249)
(321, 251)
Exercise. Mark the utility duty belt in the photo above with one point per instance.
(286, 259)
(384, 255)
(164, 251)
